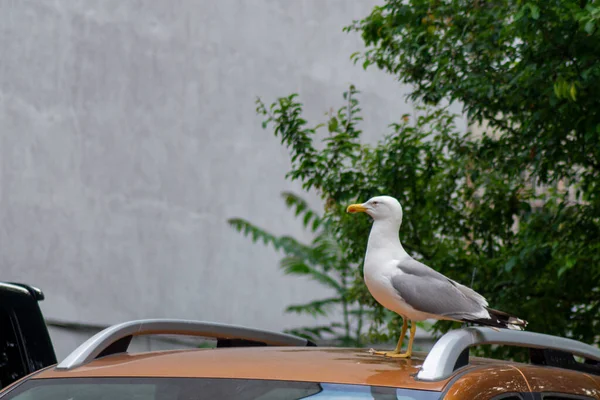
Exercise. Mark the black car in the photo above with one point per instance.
(25, 344)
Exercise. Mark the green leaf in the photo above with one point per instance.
(510, 264)
(535, 11)
(569, 264)
(254, 232)
(333, 124)
(296, 266)
(556, 88)
(589, 26)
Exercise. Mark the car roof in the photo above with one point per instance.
(247, 353)
(333, 365)
(309, 364)
(480, 378)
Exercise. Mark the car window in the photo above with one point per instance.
(508, 396)
(34, 334)
(201, 388)
(12, 366)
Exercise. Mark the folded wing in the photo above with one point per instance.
(428, 291)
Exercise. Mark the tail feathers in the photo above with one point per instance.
(500, 319)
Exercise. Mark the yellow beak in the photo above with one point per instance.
(354, 208)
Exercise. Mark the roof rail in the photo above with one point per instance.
(23, 288)
(34, 291)
(449, 352)
(14, 287)
(116, 338)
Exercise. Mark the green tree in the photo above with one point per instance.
(321, 260)
(421, 162)
(514, 213)
(531, 70)
(464, 215)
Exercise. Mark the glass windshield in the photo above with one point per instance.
(201, 388)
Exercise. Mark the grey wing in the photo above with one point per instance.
(414, 267)
(437, 296)
(417, 268)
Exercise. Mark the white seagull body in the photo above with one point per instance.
(412, 289)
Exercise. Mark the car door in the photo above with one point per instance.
(25, 345)
(551, 383)
(489, 383)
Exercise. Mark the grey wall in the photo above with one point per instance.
(128, 136)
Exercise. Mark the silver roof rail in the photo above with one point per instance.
(14, 287)
(441, 361)
(116, 338)
(24, 289)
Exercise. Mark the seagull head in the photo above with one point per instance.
(379, 208)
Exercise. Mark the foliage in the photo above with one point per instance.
(530, 69)
(514, 213)
(419, 163)
(464, 215)
(321, 261)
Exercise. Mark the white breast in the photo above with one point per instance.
(384, 250)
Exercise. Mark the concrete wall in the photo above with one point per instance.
(128, 136)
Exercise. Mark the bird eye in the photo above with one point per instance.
(374, 203)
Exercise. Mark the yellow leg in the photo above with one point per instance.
(402, 335)
(408, 354)
(398, 348)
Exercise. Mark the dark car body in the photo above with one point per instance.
(25, 344)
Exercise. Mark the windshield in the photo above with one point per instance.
(201, 388)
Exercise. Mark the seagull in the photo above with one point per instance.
(412, 289)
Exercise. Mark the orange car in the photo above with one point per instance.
(256, 364)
